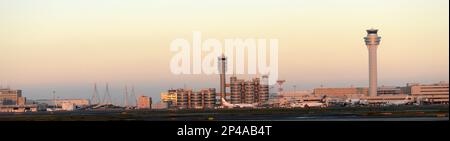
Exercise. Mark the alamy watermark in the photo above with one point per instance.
(259, 56)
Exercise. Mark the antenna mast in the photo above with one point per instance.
(133, 96)
(126, 96)
(107, 98)
(95, 98)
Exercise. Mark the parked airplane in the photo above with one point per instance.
(229, 105)
(356, 101)
(322, 103)
(308, 104)
(407, 100)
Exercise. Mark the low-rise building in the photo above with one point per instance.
(160, 105)
(341, 92)
(60, 102)
(19, 108)
(392, 90)
(144, 102)
(432, 93)
(169, 97)
(11, 97)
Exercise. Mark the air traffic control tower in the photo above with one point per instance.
(372, 41)
(222, 62)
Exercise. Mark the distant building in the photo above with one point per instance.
(144, 102)
(433, 93)
(160, 105)
(11, 97)
(19, 108)
(392, 90)
(60, 102)
(341, 92)
(296, 94)
(169, 97)
(67, 106)
(12, 101)
(250, 91)
(429, 93)
(189, 99)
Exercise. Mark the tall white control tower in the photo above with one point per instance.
(222, 62)
(372, 41)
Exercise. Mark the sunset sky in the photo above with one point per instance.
(68, 45)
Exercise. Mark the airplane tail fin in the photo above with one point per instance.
(224, 102)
